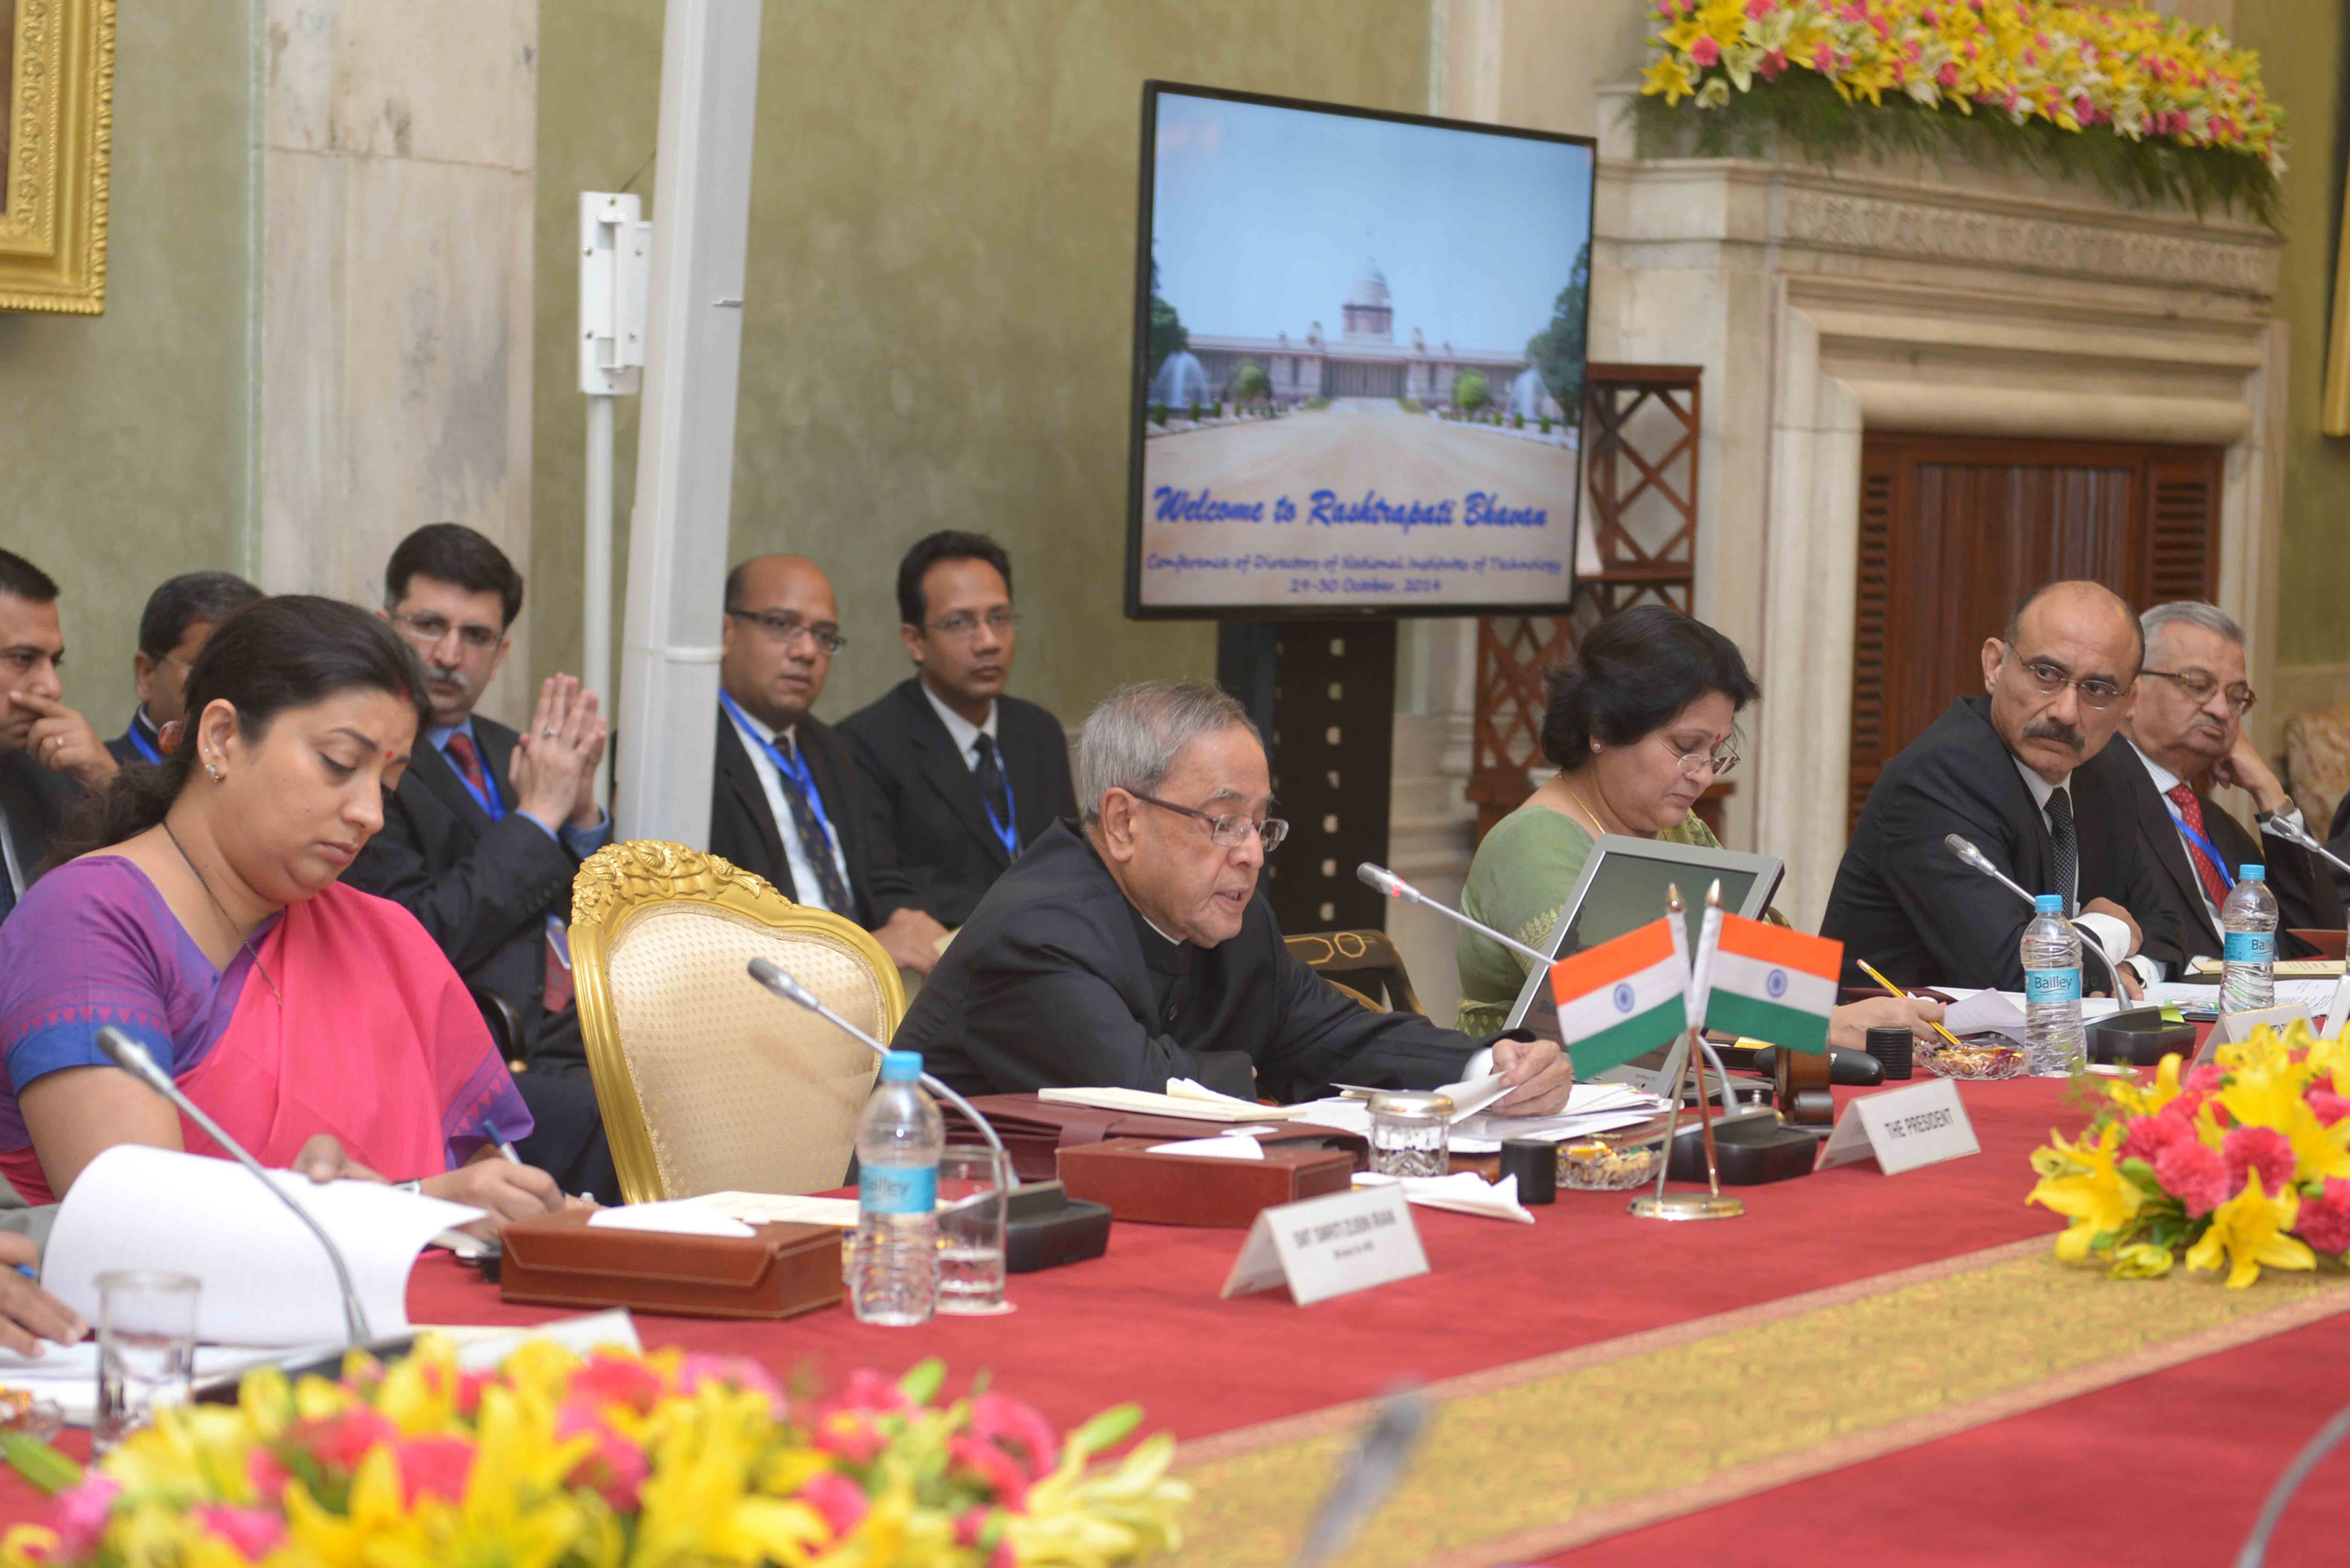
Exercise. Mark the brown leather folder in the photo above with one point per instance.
(1035, 1131)
(560, 1260)
(1186, 1189)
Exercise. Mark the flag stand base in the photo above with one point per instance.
(1687, 1205)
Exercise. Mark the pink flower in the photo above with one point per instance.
(614, 1469)
(841, 1500)
(1948, 75)
(78, 1515)
(341, 1441)
(434, 1467)
(1758, 9)
(868, 1390)
(736, 1372)
(2194, 1175)
(253, 1532)
(2329, 1107)
(610, 1379)
(2263, 1149)
(2147, 1136)
(2206, 1079)
(852, 1435)
(1019, 1429)
(267, 1475)
(1705, 52)
(993, 1468)
(969, 1525)
(2324, 1220)
(1774, 64)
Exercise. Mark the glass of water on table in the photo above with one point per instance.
(972, 1189)
(146, 1348)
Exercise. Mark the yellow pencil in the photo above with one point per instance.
(1896, 991)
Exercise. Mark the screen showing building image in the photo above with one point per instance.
(1360, 354)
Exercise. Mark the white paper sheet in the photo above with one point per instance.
(1464, 1193)
(1211, 1148)
(67, 1376)
(781, 1207)
(678, 1217)
(267, 1281)
(1142, 1102)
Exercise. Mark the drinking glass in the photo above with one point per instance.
(971, 1192)
(146, 1348)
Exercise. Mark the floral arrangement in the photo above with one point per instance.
(2244, 1166)
(2146, 104)
(642, 1460)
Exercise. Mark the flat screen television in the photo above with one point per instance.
(1358, 361)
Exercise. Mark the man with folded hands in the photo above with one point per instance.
(1138, 948)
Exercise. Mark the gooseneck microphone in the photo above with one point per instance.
(1381, 880)
(786, 984)
(1975, 859)
(132, 1058)
(2302, 838)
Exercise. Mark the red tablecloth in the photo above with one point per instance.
(1145, 1323)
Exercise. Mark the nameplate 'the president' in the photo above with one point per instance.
(1902, 1129)
(1326, 1247)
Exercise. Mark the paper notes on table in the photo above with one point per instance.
(1902, 1129)
(1199, 1105)
(1230, 1147)
(781, 1207)
(678, 1217)
(1464, 1193)
(1327, 1247)
(266, 1280)
(67, 1375)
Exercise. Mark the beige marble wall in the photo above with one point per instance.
(397, 173)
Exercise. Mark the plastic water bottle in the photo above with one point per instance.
(893, 1268)
(2248, 963)
(2052, 990)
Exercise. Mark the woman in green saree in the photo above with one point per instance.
(1639, 721)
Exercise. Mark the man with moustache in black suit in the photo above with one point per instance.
(961, 778)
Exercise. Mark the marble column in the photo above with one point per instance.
(397, 172)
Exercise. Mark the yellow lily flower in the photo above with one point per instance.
(2095, 1196)
(2137, 1099)
(2274, 1094)
(2140, 1260)
(2248, 1232)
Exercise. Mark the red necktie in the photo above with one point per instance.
(2190, 811)
(460, 751)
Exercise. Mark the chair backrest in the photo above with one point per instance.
(2317, 763)
(707, 1082)
(1363, 964)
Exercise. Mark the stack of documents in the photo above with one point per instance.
(1590, 1108)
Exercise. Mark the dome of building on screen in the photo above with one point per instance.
(1363, 361)
(1369, 310)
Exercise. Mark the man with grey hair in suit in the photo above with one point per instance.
(1139, 948)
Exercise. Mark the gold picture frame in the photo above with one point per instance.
(57, 62)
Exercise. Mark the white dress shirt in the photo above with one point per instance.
(2111, 933)
(966, 733)
(9, 867)
(807, 887)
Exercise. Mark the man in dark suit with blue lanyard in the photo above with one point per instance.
(178, 617)
(786, 800)
(483, 835)
(962, 777)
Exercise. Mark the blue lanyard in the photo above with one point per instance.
(487, 796)
(138, 743)
(1007, 829)
(794, 769)
(2204, 844)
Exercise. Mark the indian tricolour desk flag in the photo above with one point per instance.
(1774, 985)
(1621, 998)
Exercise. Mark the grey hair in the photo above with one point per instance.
(1131, 741)
(2188, 612)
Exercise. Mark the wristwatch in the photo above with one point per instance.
(2288, 809)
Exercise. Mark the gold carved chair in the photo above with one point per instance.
(707, 1082)
(1363, 964)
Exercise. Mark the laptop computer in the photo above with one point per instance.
(1622, 886)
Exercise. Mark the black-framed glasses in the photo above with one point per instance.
(2051, 678)
(427, 628)
(1230, 831)
(963, 624)
(2200, 683)
(789, 628)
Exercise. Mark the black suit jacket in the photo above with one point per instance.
(2339, 840)
(742, 830)
(1906, 904)
(925, 802)
(34, 800)
(2304, 896)
(482, 888)
(1056, 980)
(125, 750)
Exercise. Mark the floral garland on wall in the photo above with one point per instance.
(2150, 107)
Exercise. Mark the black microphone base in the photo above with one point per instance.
(1045, 1228)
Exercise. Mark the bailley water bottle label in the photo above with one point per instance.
(897, 1189)
(2051, 985)
(2251, 947)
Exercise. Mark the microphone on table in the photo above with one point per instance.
(132, 1058)
(1381, 880)
(786, 984)
(2302, 838)
(1975, 859)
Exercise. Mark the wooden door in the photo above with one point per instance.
(1954, 531)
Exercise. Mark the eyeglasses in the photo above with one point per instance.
(2200, 685)
(963, 624)
(2051, 678)
(1228, 832)
(1720, 759)
(426, 629)
(789, 628)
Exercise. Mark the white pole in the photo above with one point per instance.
(667, 728)
(615, 249)
(595, 625)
